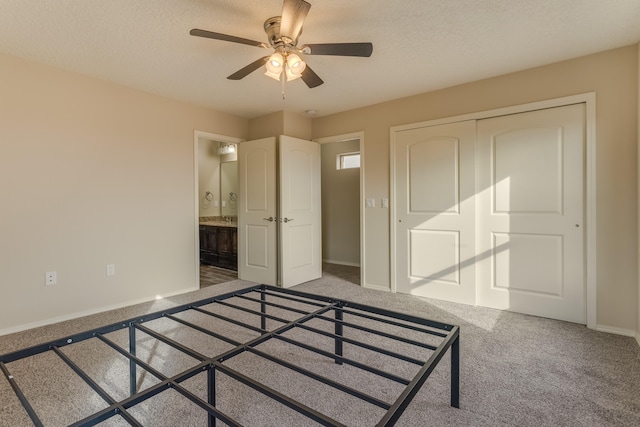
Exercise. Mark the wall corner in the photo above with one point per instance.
(638, 178)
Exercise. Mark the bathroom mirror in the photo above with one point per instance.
(229, 188)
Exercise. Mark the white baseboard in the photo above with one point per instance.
(78, 314)
(349, 264)
(617, 331)
(638, 338)
(376, 287)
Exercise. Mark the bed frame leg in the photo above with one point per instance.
(455, 373)
(339, 315)
(132, 363)
(211, 390)
(263, 310)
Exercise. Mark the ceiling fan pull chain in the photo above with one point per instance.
(282, 79)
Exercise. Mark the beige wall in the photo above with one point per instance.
(208, 177)
(92, 173)
(340, 206)
(280, 123)
(266, 126)
(297, 126)
(613, 75)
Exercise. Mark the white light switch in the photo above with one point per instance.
(224, 203)
(215, 203)
(385, 202)
(370, 203)
(111, 269)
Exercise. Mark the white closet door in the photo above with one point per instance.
(300, 211)
(530, 208)
(257, 209)
(435, 211)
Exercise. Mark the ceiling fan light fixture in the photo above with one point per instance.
(294, 67)
(283, 33)
(274, 65)
(274, 76)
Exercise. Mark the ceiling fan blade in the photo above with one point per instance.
(225, 37)
(310, 78)
(294, 13)
(244, 72)
(340, 49)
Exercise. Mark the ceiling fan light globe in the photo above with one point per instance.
(274, 76)
(294, 67)
(275, 63)
(291, 76)
(296, 64)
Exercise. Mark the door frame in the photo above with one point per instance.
(360, 137)
(589, 99)
(197, 134)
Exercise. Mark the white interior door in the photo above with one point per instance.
(300, 211)
(257, 210)
(531, 213)
(435, 211)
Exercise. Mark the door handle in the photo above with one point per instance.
(287, 219)
(270, 219)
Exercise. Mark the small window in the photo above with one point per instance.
(348, 161)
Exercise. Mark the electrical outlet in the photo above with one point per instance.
(50, 278)
(385, 202)
(111, 269)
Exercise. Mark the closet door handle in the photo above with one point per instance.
(270, 219)
(287, 219)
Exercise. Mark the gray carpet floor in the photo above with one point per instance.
(516, 370)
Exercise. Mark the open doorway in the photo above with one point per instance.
(341, 171)
(215, 161)
(345, 212)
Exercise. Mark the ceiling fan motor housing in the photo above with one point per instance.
(272, 28)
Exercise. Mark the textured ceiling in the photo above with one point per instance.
(418, 45)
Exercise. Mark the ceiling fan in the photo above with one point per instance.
(283, 33)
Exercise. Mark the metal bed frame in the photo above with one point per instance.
(324, 308)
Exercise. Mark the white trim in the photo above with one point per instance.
(348, 264)
(392, 208)
(590, 210)
(522, 108)
(197, 134)
(377, 288)
(346, 137)
(617, 331)
(78, 314)
(638, 338)
(589, 99)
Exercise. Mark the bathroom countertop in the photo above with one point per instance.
(220, 224)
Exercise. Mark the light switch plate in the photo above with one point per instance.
(370, 203)
(385, 202)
